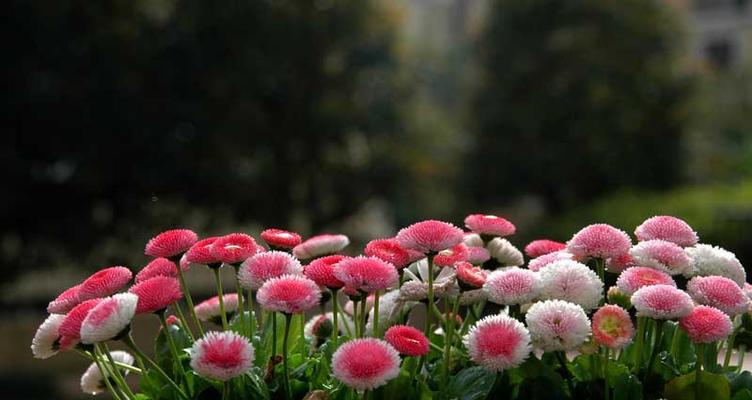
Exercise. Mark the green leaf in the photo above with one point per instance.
(744, 394)
(740, 382)
(471, 384)
(627, 387)
(712, 387)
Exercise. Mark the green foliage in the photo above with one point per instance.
(712, 387)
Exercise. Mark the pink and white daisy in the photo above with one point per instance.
(599, 241)
(447, 258)
(498, 342)
(618, 264)
(208, 310)
(706, 325)
(321, 271)
(490, 225)
(407, 340)
(719, 292)
(540, 247)
(320, 245)
(92, 381)
(634, 278)
(158, 267)
(710, 260)
(662, 255)
(104, 282)
(70, 328)
(430, 236)
(289, 294)
(108, 318)
(46, 341)
(557, 325)
(201, 253)
(472, 239)
(612, 327)
(280, 239)
(365, 364)
(512, 285)
(234, 248)
(390, 251)
(156, 294)
(477, 255)
(665, 227)
(390, 306)
(222, 355)
(543, 261)
(505, 253)
(469, 275)
(662, 302)
(366, 274)
(65, 301)
(264, 266)
(170, 243)
(571, 281)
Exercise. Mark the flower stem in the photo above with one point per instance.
(183, 321)
(741, 354)
(567, 376)
(375, 331)
(286, 368)
(638, 342)
(274, 333)
(171, 343)
(105, 375)
(363, 314)
(189, 300)
(128, 340)
(355, 318)
(335, 311)
(226, 390)
(606, 390)
(429, 259)
(115, 372)
(700, 348)
(253, 321)
(241, 303)
(654, 350)
(729, 349)
(222, 314)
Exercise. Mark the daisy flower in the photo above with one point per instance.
(234, 248)
(407, 340)
(201, 253)
(46, 342)
(667, 228)
(158, 267)
(261, 267)
(415, 287)
(222, 355)
(498, 342)
(280, 239)
(490, 225)
(390, 251)
(545, 260)
(104, 282)
(618, 264)
(390, 306)
(662, 302)
(505, 253)
(321, 245)
(599, 241)
(710, 260)
(512, 285)
(612, 327)
(70, 327)
(471, 239)
(429, 236)
(470, 276)
(208, 310)
(366, 274)
(365, 364)
(660, 254)
(706, 325)
(447, 258)
(65, 301)
(571, 281)
(170, 243)
(477, 255)
(108, 318)
(540, 247)
(156, 294)
(634, 278)
(557, 325)
(92, 381)
(321, 271)
(719, 292)
(289, 294)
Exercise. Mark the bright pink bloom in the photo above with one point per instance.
(388, 250)
(158, 267)
(662, 302)
(512, 285)
(612, 327)
(365, 364)
(448, 257)
(289, 294)
(234, 248)
(208, 310)
(366, 274)
(719, 292)
(170, 243)
(264, 266)
(172, 320)
(663, 255)
(543, 261)
(65, 301)
(70, 328)
(280, 239)
(321, 245)
(599, 241)
(222, 355)
(321, 271)
(634, 278)
(407, 340)
(540, 247)
(477, 255)
(201, 253)
(667, 228)
(619, 263)
(706, 325)
(108, 318)
(489, 225)
(156, 294)
(470, 275)
(430, 236)
(498, 342)
(104, 283)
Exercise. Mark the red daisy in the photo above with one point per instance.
(280, 239)
(170, 243)
(156, 294)
(234, 248)
(104, 282)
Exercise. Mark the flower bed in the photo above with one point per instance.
(434, 312)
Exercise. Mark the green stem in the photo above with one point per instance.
(335, 311)
(105, 375)
(729, 349)
(675, 341)
(286, 368)
(226, 390)
(128, 340)
(606, 389)
(171, 344)
(115, 372)
(375, 331)
(274, 334)
(700, 348)
(223, 316)
(183, 321)
(742, 353)
(241, 304)
(639, 342)
(252, 315)
(567, 376)
(303, 347)
(427, 331)
(189, 299)
(654, 350)
(363, 314)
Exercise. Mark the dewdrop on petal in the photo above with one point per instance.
(156, 294)
(598, 241)
(159, 267)
(108, 318)
(429, 236)
(719, 292)
(388, 250)
(46, 341)
(280, 239)
(289, 294)
(70, 327)
(612, 327)
(512, 285)
(92, 381)
(321, 245)
(498, 342)
(65, 301)
(489, 225)
(662, 302)
(540, 247)
(261, 267)
(660, 254)
(234, 248)
(706, 325)
(634, 278)
(545, 260)
(667, 228)
(366, 274)
(557, 325)
(365, 364)
(222, 355)
(170, 243)
(448, 257)
(505, 253)
(104, 282)
(208, 310)
(571, 281)
(710, 260)
(407, 340)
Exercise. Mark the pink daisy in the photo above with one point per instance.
(430, 236)
(447, 258)
(208, 310)
(222, 355)
(70, 328)
(108, 318)
(366, 274)
(543, 261)
(158, 267)
(706, 325)
(512, 285)
(469, 275)
(719, 292)
(490, 225)
(634, 278)
(662, 302)
(667, 228)
(46, 342)
(321, 271)
(619, 263)
(388, 250)
(747, 290)
(156, 294)
(170, 243)
(599, 241)
(365, 364)
(234, 248)
(612, 327)
(557, 325)
(472, 239)
(540, 247)
(407, 340)
(662, 255)
(477, 255)
(201, 253)
(65, 301)
(320, 245)
(498, 342)
(571, 281)
(280, 239)
(289, 294)
(104, 283)
(264, 266)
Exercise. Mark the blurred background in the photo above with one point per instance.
(124, 118)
